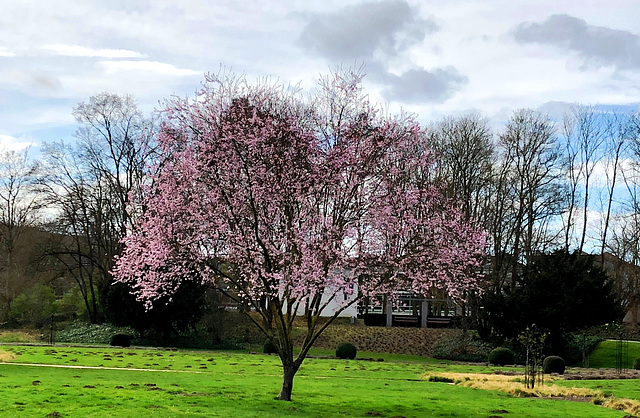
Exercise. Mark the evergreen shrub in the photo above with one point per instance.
(269, 347)
(121, 340)
(346, 351)
(553, 364)
(502, 356)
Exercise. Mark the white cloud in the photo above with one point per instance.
(593, 238)
(82, 51)
(4, 52)
(112, 67)
(603, 171)
(10, 143)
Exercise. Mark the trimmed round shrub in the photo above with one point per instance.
(269, 347)
(553, 364)
(346, 351)
(121, 340)
(502, 356)
(636, 364)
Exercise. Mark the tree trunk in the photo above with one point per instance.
(288, 372)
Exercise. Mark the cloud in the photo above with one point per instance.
(148, 67)
(45, 82)
(82, 51)
(10, 143)
(379, 33)
(556, 109)
(358, 32)
(597, 46)
(419, 85)
(4, 52)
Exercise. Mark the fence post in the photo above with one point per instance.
(51, 334)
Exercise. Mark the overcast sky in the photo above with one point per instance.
(431, 57)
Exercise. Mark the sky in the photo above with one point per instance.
(434, 58)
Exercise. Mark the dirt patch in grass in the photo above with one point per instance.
(601, 374)
(6, 356)
(587, 399)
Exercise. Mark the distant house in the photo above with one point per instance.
(404, 309)
(408, 310)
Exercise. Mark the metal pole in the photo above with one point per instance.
(51, 336)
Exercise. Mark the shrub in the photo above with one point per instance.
(269, 347)
(67, 306)
(440, 379)
(636, 364)
(560, 292)
(121, 340)
(72, 305)
(501, 356)
(35, 306)
(461, 348)
(83, 333)
(553, 364)
(346, 351)
(167, 317)
(576, 346)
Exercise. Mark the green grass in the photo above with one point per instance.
(400, 366)
(204, 383)
(605, 354)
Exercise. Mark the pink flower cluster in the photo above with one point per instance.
(290, 198)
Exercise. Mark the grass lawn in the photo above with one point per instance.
(201, 383)
(605, 354)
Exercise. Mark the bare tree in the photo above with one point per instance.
(573, 172)
(19, 208)
(528, 190)
(623, 242)
(466, 152)
(465, 149)
(90, 186)
(621, 131)
(588, 135)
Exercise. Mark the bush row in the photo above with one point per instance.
(82, 333)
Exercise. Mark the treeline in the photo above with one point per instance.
(64, 214)
(541, 185)
(536, 186)
(559, 201)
